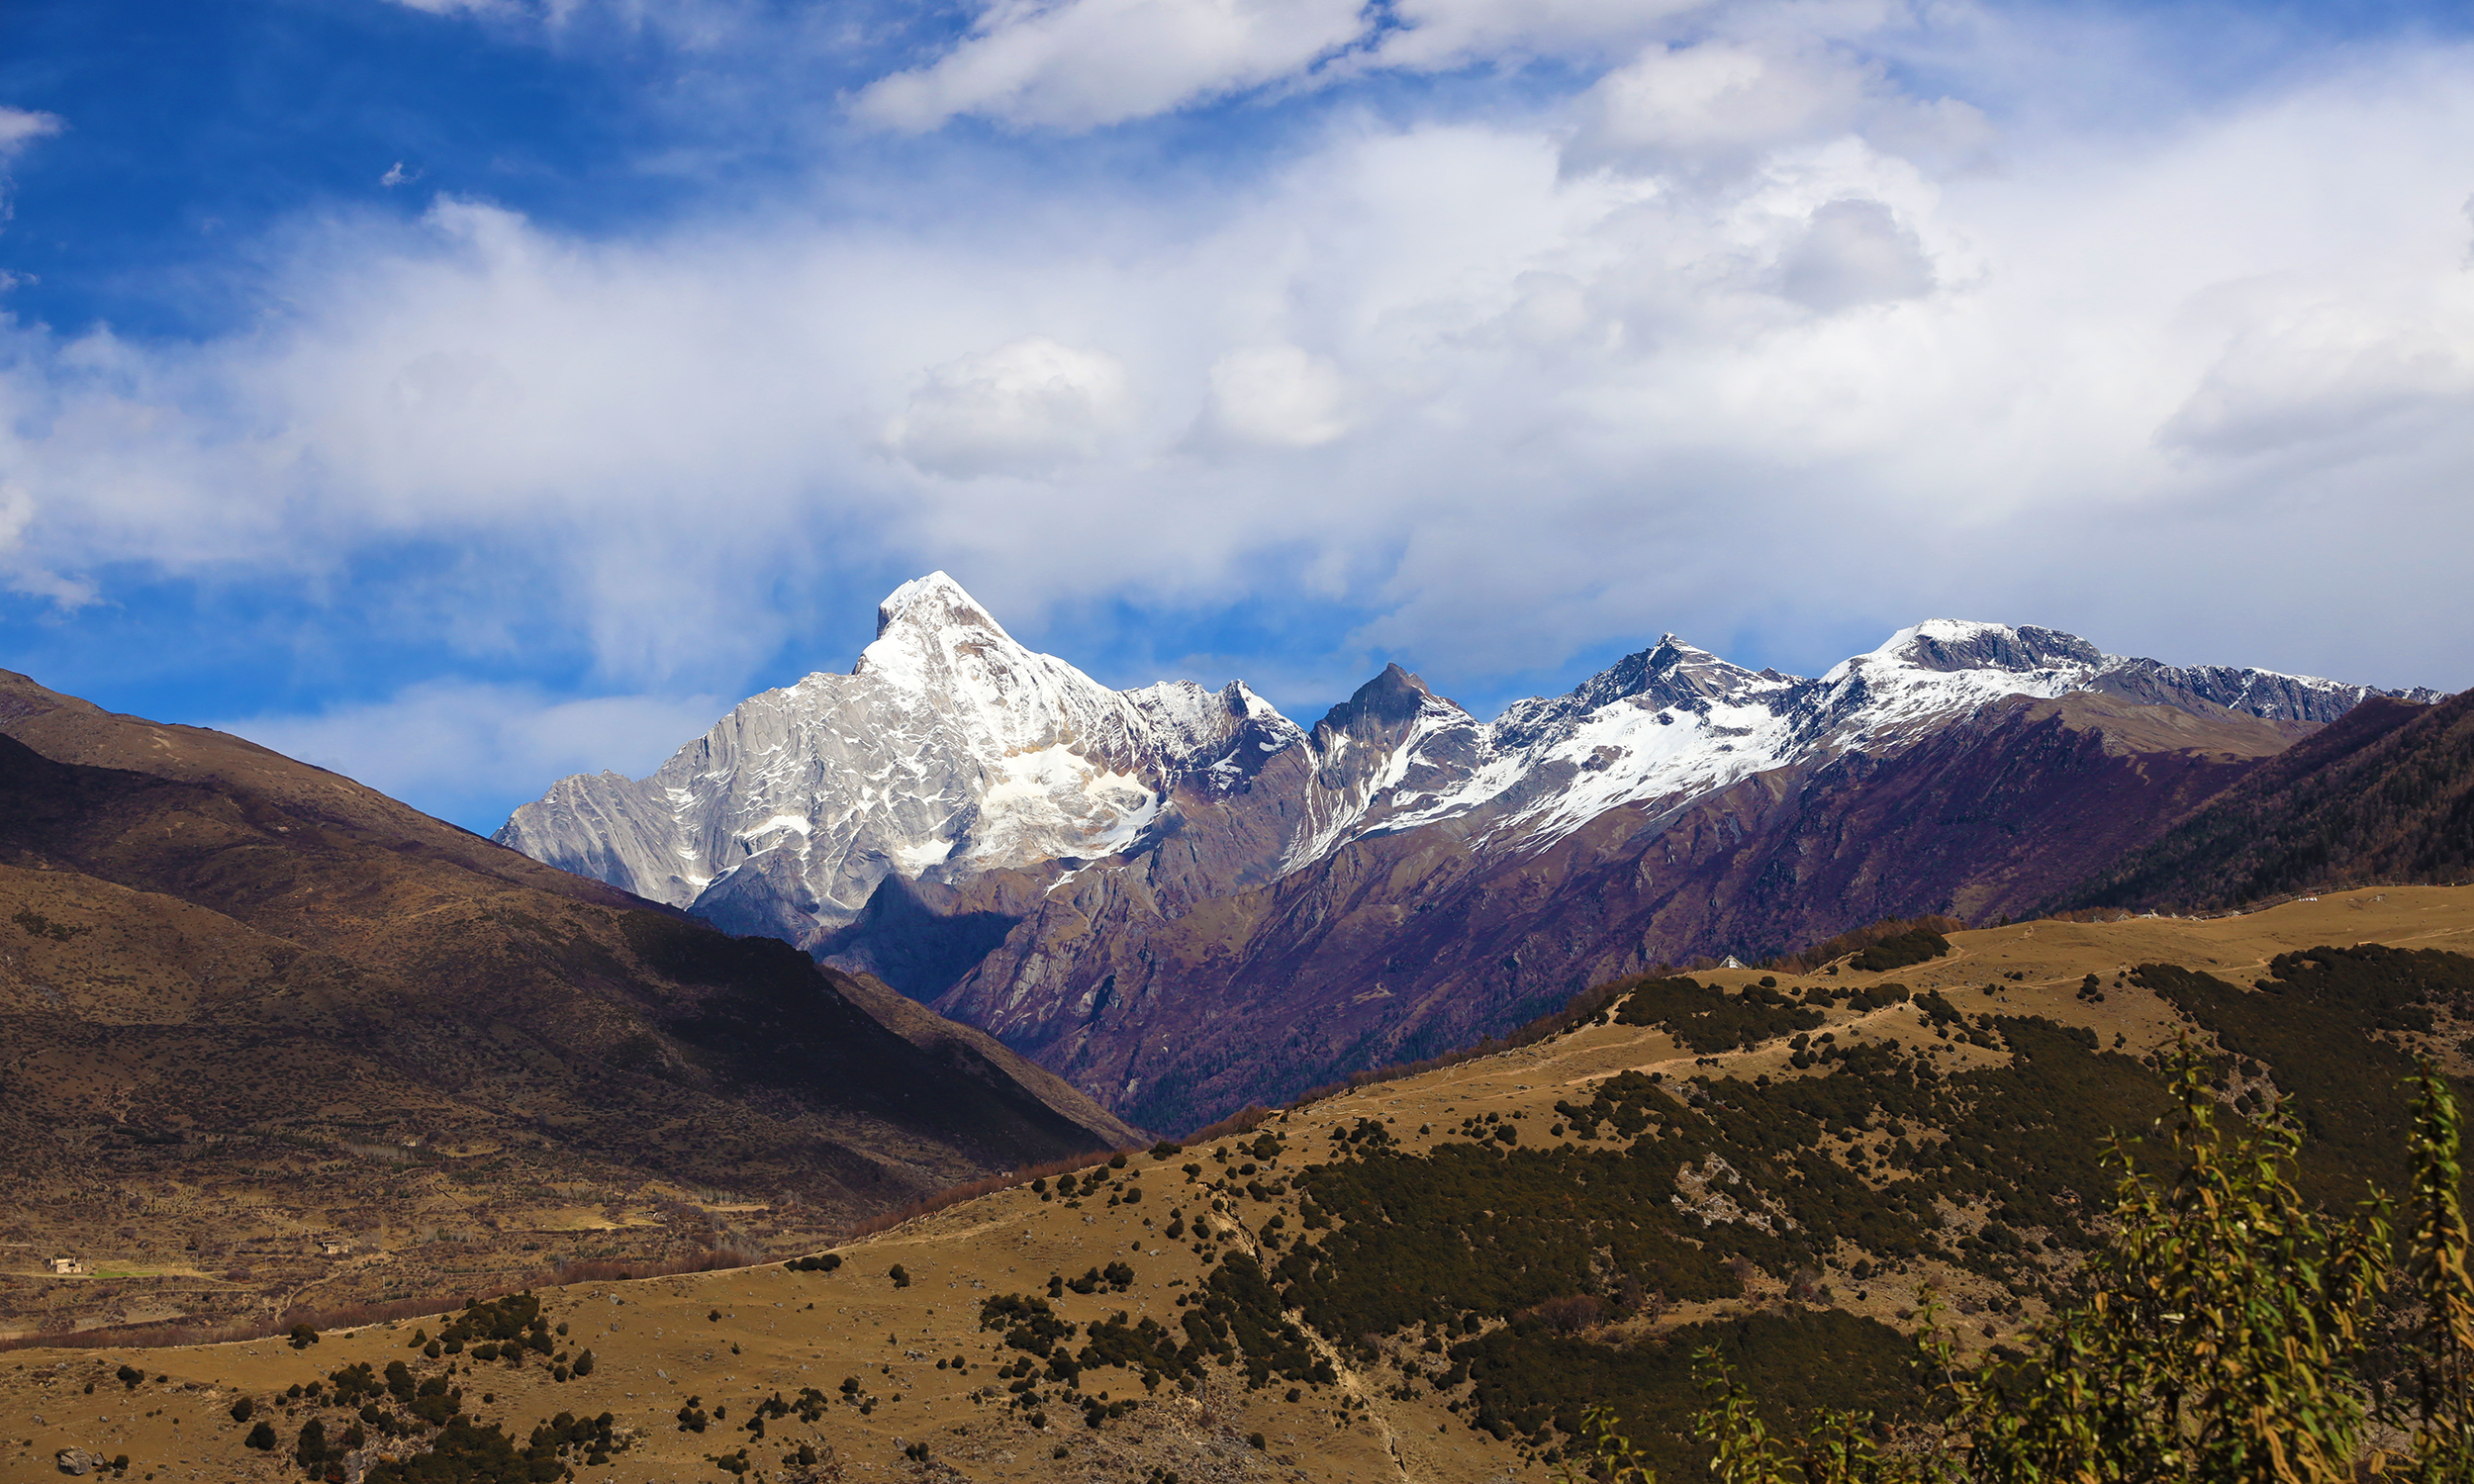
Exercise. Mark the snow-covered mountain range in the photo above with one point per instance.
(951, 750)
(1179, 900)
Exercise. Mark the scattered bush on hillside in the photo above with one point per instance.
(2323, 1025)
(2224, 1336)
(1707, 1019)
(1476, 1229)
(1805, 961)
(1908, 949)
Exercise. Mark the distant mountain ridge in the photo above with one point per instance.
(1077, 868)
(951, 750)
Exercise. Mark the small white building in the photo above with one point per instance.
(68, 1267)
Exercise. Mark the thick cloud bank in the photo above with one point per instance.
(1745, 332)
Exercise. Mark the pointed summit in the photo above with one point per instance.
(934, 601)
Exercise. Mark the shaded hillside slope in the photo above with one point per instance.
(250, 1011)
(2384, 794)
(1429, 1278)
(1404, 945)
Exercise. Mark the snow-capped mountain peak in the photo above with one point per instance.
(948, 750)
(951, 749)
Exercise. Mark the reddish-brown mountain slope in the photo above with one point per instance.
(2384, 794)
(250, 1011)
(1404, 945)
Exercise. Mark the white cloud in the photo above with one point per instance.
(2314, 372)
(21, 127)
(1546, 406)
(1854, 252)
(1442, 34)
(1718, 103)
(1023, 408)
(462, 747)
(1081, 64)
(1275, 397)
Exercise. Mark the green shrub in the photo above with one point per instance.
(2223, 1337)
(1916, 946)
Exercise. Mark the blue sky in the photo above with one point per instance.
(470, 392)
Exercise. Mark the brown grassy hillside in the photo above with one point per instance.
(270, 1039)
(1423, 1280)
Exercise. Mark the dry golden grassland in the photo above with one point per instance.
(723, 1342)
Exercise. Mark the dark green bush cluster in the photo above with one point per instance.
(1147, 1348)
(1117, 1277)
(1533, 1384)
(569, 1437)
(498, 1329)
(1864, 1000)
(1910, 948)
(431, 1402)
(465, 1452)
(809, 1408)
(2323, 1027)
(815, 1263)
(1029, 1324)
(1368, 1133)
(1707, 1019)
(1239, 1316)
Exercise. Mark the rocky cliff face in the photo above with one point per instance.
(948, 752)
(1097, 876)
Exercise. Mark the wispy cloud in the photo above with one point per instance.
(470, 749)
(19, 126)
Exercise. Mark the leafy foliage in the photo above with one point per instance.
(2222, 1339)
